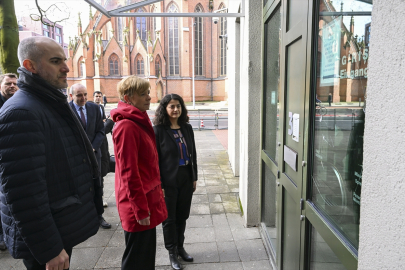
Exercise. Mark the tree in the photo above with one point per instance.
(9, 37)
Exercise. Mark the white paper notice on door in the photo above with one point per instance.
(296, 127)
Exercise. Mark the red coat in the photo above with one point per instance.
(138, 189)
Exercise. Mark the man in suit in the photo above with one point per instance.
(8, 87)
(97, 97)
(105, 155)
(90, 117)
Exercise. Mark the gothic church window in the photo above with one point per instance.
(113, 65)
(141, 27)
(198, 42)
(158, 68)
(140, 71)
(174, 58)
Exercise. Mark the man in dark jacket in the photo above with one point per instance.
(8, 87)
(47, 163)
(90, 116)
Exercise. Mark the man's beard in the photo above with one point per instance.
(51, 79)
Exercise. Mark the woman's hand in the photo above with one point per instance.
(145, 221)
(194, 185)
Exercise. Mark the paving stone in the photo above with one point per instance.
(85, 258)
(201, 181)
(160, 241)
(214, 198)
(260, 265)
(217, 189)
(200, 190)
(222, 230)
(199, 221)
(111, 257)
(19, 265)
(199, 235)
(231, 207)
(197, 198)
(217, 208)
(235, 221)
(6, 261)
(101, 239)
(245, 233)
(110, 212)
(233, 188)
(202, 253)
(118, 239)
(232, 181)
(228, 252)
(200, 209)
(216, 266)
(215, 182)
(251, 250)
(162, 256)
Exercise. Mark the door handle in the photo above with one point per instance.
(302, 217)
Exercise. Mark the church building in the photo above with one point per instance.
(155, 48)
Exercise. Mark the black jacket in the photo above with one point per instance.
(169, 155)
(46, 173)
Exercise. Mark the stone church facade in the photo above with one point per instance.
(155, 48)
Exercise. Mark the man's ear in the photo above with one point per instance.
(126, 98)
(30, 66)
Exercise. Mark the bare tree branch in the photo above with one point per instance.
(42, 15)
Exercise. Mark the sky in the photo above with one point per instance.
(66, 9)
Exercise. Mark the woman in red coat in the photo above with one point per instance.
(139, 196)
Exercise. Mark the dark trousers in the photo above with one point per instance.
(33, 264)
(178, 203)
(98, 188)
(140, 250)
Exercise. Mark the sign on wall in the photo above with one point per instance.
(331, 37)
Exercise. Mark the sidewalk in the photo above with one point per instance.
(215, 235)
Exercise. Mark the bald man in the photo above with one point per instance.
(89, 115)
(48, 164)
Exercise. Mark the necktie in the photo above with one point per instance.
(82, 117)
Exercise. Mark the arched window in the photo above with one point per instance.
(158, 66)
(198, 42)
(113, 65)
(120, 29)
(140, 71)
(141, 26)
(223, 31)
(173, 23)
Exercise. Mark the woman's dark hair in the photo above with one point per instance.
(161, 116)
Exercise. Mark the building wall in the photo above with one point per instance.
(250, 107)
(382, 245)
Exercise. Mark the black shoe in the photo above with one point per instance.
(3, 245)
(174, 260)
(104, 224)
(184, 255)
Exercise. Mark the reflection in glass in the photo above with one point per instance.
(322, 257)
(342, 66)
(269, 205)
(272, 85)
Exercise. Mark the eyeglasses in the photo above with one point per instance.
(178, 106)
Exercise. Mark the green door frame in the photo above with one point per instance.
(311, 216)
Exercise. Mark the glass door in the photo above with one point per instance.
(271, 132)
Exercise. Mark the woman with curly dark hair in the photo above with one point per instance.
(178, 171)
